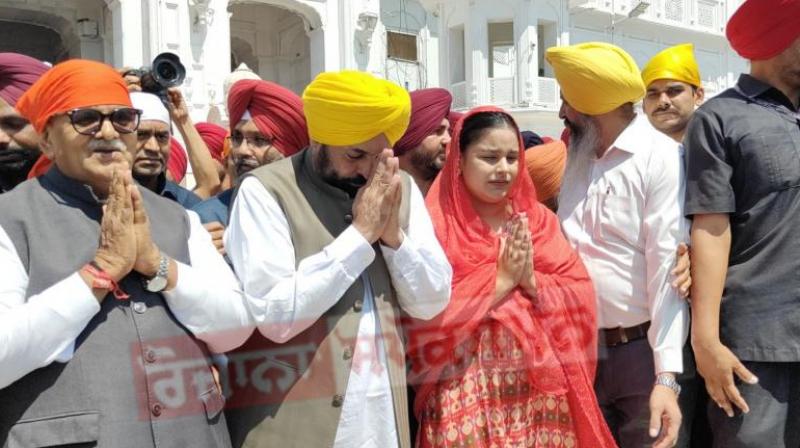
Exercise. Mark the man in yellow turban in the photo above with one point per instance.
(332, 245)
(620, 205)
(674, 89)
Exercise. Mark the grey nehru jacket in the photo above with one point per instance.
(103, 396)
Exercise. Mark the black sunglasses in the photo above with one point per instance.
(89, 121)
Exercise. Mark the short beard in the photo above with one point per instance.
(427, 166)
(15, 164)
(584, 139)
(349, 185)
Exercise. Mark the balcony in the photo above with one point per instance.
(502, 92)
(706, 16)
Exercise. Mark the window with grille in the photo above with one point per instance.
(705, 14)
(401, 46)
(673, 10)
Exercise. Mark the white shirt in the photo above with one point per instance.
(206, 299)
(286, 300)
(623, 213)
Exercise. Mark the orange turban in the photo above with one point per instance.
(546, 164)
(70, 85)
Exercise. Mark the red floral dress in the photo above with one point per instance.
(485, 399)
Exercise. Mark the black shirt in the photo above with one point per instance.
(743, 159)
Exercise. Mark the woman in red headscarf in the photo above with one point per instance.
(511, 360)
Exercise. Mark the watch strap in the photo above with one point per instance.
(670, 382)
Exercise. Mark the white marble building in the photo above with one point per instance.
(484, 51)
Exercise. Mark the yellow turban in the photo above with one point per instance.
(349, 107)
(675, 63)
(596, 77)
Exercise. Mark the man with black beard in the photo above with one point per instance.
(18, 140)
(422, 149)
(332, 246)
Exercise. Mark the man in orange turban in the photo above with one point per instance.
(741, 192)
(421, 150)
(94, 291)
(545, 163)
(674, 90)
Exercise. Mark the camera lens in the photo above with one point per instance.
(167, 71)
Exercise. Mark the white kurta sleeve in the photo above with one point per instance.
(286, 300)
(420, 272)
(207, 298)
(43, 328)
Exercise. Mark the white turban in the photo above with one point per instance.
(151, 106)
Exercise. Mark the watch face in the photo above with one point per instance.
(157, 284)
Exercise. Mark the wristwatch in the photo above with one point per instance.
(159, 282)
(668, 381)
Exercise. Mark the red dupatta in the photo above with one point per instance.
(557, 330)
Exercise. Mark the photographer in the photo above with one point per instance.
(203, 167)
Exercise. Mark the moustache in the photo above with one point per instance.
(107, 145)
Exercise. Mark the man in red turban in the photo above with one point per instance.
(214, 136)
(267, 123)
(741, 191)
(421, 150)
(19, 143)
(101, 277)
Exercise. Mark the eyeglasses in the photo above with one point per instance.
(11, 124)
(256, 141)
(162, 137)
(89, 121)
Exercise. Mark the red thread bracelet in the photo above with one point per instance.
(101, 280)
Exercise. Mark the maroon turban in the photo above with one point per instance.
(276, 111)
(762, 29)
(214, 137)
(17, 73)
(428, 108)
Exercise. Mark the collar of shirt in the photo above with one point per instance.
(632, 136)
(753, 88)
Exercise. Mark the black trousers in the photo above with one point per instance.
(774, 418)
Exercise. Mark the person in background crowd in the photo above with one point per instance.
(267, 125)
(621, 207)
(204, 169)
(153, 151)
(19, 143)
(743, 170)
(331, 246)
(213, 136)
(674, 91)
(422, 149)
(510, 362)
(545, 163)
(96, 296)
(177, 163)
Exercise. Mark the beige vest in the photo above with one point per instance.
(306, 413)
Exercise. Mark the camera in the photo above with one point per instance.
(165, 71)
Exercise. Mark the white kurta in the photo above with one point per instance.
(286, 300)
